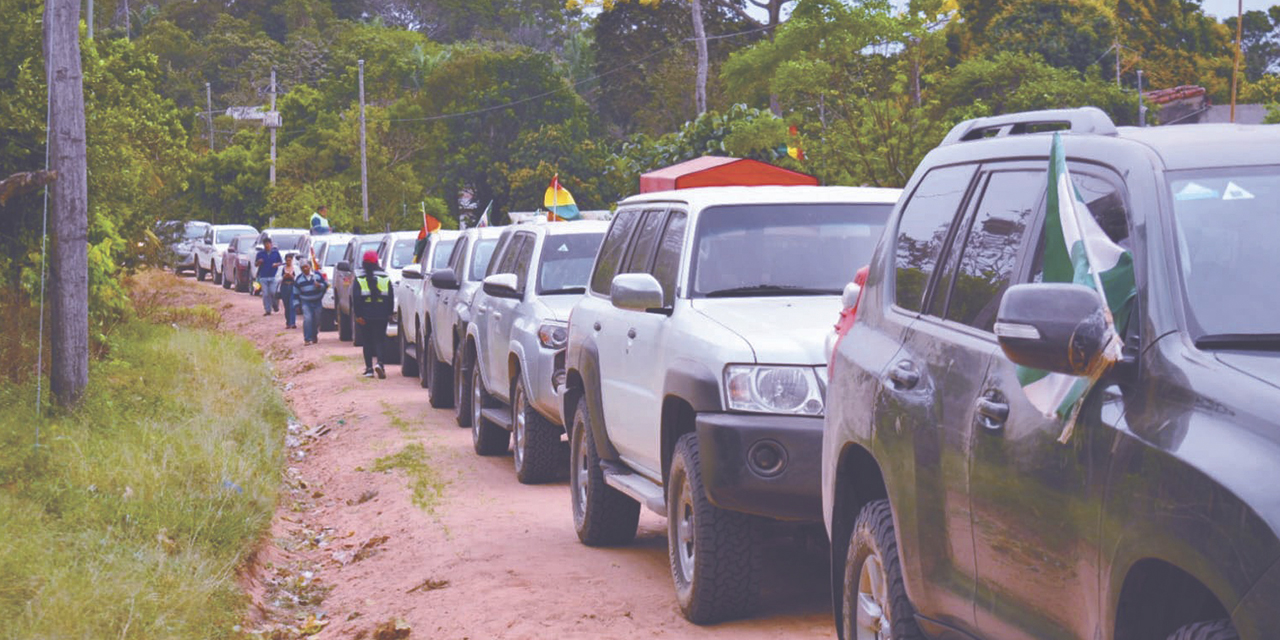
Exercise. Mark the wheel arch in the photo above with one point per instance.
(1157, 597)
(858, 481)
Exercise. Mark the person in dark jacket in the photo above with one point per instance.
(308, 290)
(373, 303)
(288, 273)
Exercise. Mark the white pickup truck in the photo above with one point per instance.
(410, 310)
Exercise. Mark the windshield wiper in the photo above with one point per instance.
(770, 290)
(1244, 341)
(564, 291)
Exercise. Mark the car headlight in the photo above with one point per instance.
(774, 389)
(553, 335)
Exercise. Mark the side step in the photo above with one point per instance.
(640, 488)
(500, 416)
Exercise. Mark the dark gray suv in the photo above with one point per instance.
(956, 509)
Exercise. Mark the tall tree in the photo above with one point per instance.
(70, 199)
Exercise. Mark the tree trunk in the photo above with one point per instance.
(69, 271)
(700, 35)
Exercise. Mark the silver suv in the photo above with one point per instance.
(519, 321)
(695, 372)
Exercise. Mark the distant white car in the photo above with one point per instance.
(208, 251)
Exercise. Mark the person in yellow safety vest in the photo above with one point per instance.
(372, 306)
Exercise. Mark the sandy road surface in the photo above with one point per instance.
(486, 557)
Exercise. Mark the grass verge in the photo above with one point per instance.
(132, 517)
(426, 485)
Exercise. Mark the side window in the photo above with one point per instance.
(1105, 197)
(502, 254)
(208, 236)
(523, 257)
(646, 243)
(455, 260)
(923, 228)
(615, 243)
(667, 265)
(990, 251)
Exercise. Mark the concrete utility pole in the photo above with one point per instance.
(273, 127)
(208, 112)
(69, 369)
(127, 25)
(364, 160)
(90, 19)
(1117, 48)
(1142, 108)
(700, 35)
(1235, 68)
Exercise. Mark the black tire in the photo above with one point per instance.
(226, 281)
(487, 438)
(714, 554)
(408, 365)
(1209, 630)
(602, 515)
(328, 319)
(461, 389)
(873, 539)
(537, 440)
(420, 357)
(439, 379)
(199, 271)
(217, 275)
(242, 285)
(344, 327)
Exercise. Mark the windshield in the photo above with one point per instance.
(567, 261)
(801, 249)
(440, 259)
(194, 230)
(1224, 219)
(480, 257)
(333, 252)
(402, 253)
(225, 235)
(283, 242)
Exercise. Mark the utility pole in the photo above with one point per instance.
(1142, 109)
(700, 35)
(364, 160)
(208, 112)
(1117, 48)
(273, 125)
(90, 20)
(69, 369)
(1235, 68)
(127, 25)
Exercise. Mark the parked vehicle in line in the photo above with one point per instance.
(414, 279)
(955, 507)
(447, 304)
(344, 273)
(178, 240)
(284, 240)
(237, 262)
(695, 372)
(328, 249)
(209, 250)
(519, 321)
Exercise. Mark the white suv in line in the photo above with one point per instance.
(208, 251)
(409, 301)
(696, 372)
(519, 322)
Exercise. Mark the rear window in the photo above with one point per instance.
(286, 242)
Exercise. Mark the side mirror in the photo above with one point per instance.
(342, 266)
(444, 279)
(502, 285)
(636, 292)
(412, 272)
(1060, 328)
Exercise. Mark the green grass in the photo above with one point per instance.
(132, 517)
(425, 483)
(393, 416)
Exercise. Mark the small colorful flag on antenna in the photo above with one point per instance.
(483, 221)
(560, 202)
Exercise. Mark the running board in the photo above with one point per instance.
(638, 487)
(500, 416)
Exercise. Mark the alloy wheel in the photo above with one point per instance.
(518, 424)
(685, 532)
(872, 615)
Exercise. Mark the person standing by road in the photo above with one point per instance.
(268, 261)
(372, 307)
(287, 275)
(308, 289)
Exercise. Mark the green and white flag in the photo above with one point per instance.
(1077, 250)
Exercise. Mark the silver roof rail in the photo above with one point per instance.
(1083, 120)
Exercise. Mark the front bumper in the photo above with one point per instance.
(184, 259)
(731, 445)
(544, 394)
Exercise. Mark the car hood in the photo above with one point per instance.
(1264, 366)
(781, 330)
(558, 307)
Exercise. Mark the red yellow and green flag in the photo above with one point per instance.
(560, 202)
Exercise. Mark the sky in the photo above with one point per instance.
(1227, 8)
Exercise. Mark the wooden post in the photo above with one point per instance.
(273, 128)
(364, 160)
(69, 276)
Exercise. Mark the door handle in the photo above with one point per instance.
(497, 315)
(904, 376)
(992, 410)
(632, 333)
(596, 326)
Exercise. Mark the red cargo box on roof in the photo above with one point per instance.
(716, 171)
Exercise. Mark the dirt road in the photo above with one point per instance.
(482, 556)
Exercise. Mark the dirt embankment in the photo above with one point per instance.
(391, 520)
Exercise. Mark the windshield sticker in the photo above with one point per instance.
(1195, 191)
(1236, 192)
(860, 231)
(564, 248)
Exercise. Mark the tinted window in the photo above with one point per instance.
(566, 262)
(333, 254)
(440, 259)
(455, 258)
(225, 235)
(990, 251)
(402, 253)
(667, 265)
(922, 231)
(783, 249)
(480, 261)
(523, 257)
(615, 242)
(286, 242)
(505, 254)
(646, 242)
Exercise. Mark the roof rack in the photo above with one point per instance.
(1082, 120)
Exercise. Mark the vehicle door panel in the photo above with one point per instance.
(503, 311)
(442, 311)
(610, 330)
